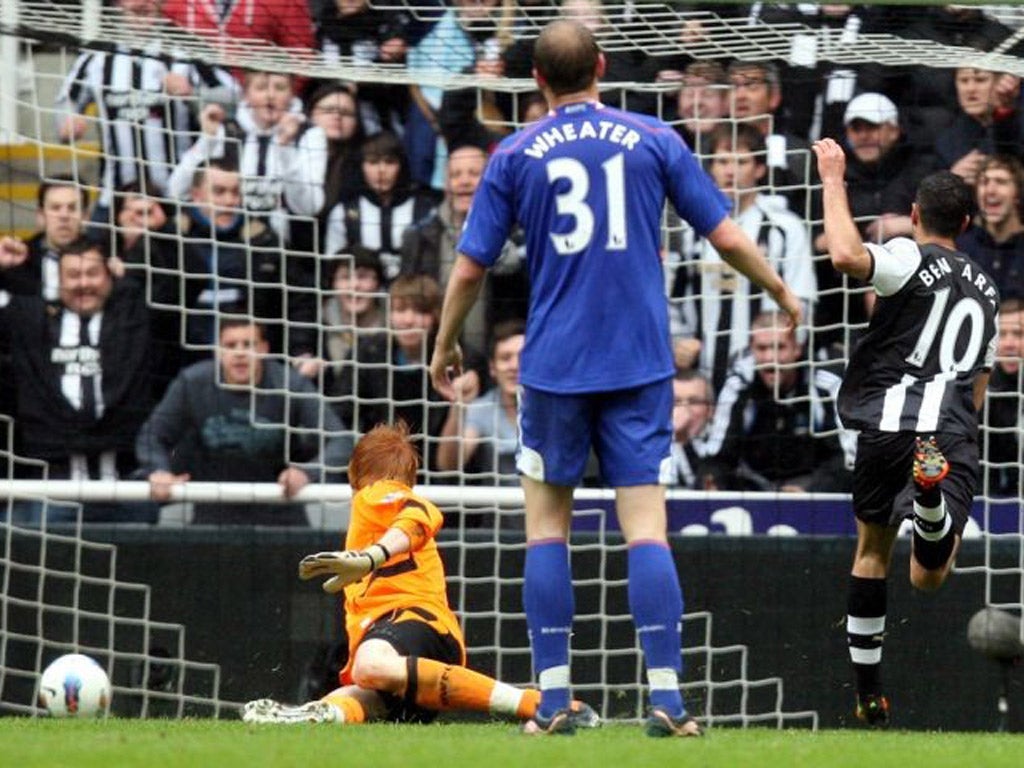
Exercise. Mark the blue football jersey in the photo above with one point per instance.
(588, 185)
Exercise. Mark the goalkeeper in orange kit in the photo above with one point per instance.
(406, 651)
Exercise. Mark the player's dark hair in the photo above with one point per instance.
(566, 55)
(944, 201)
(61, 180)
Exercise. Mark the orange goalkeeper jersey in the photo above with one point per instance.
(409, 580)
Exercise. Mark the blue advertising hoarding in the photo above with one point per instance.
(781, 514)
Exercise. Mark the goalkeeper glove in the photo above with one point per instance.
(343, 567)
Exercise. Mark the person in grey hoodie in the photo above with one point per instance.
(244, 418)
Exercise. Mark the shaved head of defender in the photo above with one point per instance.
(566, 59)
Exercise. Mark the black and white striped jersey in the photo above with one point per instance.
(365, 221)
(933, 330)
(713, 302)
(141, 126)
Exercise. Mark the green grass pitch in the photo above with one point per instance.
(25, 743)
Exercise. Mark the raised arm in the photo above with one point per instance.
(845, 247)
(208, 146)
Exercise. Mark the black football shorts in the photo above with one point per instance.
(883, 485)
(413, 632)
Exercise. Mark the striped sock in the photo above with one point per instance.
(933, 535)
(865, 630)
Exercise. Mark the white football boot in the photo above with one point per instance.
(270, 711)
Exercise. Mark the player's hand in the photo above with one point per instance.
(211, 119)
(343, 568)
(13, 252)
(831, 160)
(445, 367)
(790, 304)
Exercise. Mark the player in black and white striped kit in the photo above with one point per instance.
(913, 387)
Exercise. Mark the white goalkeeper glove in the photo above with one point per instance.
(343, 567)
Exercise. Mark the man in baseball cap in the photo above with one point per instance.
(872, 126)
(882, 169)
(882, 173)
(874, 108)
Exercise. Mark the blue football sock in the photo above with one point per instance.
(549, 605)
(657, 605)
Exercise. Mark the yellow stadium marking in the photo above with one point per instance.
(53, 152)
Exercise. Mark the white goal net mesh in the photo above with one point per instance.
(55, 131)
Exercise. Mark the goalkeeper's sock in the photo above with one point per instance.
(548, 601)
(656, 602)
(352, 711)
(865, 630)
(933, 532)
(441, 686)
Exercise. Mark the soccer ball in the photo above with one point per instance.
(74, 685)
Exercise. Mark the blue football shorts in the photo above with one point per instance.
(630, 430)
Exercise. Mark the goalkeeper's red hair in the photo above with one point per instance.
(384, 453)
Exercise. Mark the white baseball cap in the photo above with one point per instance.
(874, 108)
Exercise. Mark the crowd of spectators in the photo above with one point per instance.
(260, 275)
